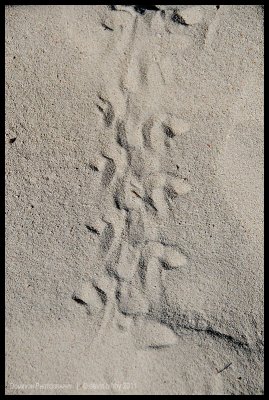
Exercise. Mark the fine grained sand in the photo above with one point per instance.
(134, 200)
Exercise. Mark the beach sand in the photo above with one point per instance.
(134, 199)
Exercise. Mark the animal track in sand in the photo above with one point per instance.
(146, 132)
(140, 191)
(109, 171)
(130, 169)
(107, 237)
(107, 110)
(131, 301)
(89, 297)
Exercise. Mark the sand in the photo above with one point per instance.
(134, 200)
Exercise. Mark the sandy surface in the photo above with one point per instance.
(134, 200)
